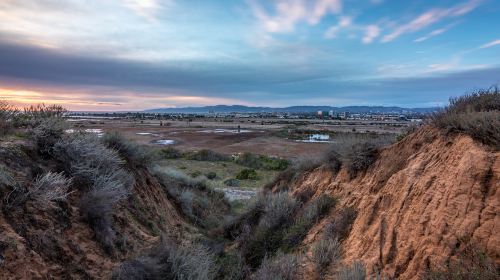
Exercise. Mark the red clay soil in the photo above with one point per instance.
(416, 204)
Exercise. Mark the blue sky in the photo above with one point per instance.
(140, 54)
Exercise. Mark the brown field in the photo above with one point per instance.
(255, 137)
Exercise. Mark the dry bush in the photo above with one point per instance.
(307, 218)
(6, 178)
(325, 252)
(232, 267)
(340, 226)
(84, 157)
(278, 210)
(198, 201)
(289, 176)
(134, 153)
(192, 262)
(47, 132)
(36, 114)
(356, 151)
(471, 262)
(7, 115)
(281, 267)
(143, 268)
(50, 187)
(476, 114)
(188, 261)
(356, 271)
(98, 171)
(318, 208)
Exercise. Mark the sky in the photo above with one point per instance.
(118, 55)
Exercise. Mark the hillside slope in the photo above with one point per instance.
(55, 242)
(422, 200)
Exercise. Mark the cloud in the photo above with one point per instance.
(288, 13)
(372, 32)
(434, 33)
(490, 44)
(430, 17)
(344, 22)
(147, 8)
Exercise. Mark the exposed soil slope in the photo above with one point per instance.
(55, 243)
(417, 203)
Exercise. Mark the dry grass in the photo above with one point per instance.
(476, 114)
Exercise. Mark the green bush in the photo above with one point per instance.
(261, 162)
(247, 174)
(207, 155)
(211, 175)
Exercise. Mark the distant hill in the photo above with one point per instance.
(292, 109)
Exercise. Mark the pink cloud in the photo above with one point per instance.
(430, 17)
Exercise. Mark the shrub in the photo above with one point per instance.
(341, 225)
(261, 162)
(271, 214)
(47, 133)
(471, 262)
(324, 252)
(50, 187)
(7, 115)
(332, 160)
(6, 178)
(37, 114)
(132, 152)
(211, 175)
(298, 167)
(98, 171)
(232, 182)
(318, 208)
(278, 210)
(312, 213)
(191, 262)
(281, 267)
(232, 267)
(354, 272)
(84, 157)
(170, 261)
(207, 155)
(195, 174)
(198, 201)
(476, 114)
(170, 153)
(247, 174)
(361, 157)
(144, 268)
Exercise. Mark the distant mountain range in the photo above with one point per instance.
(293, 109)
